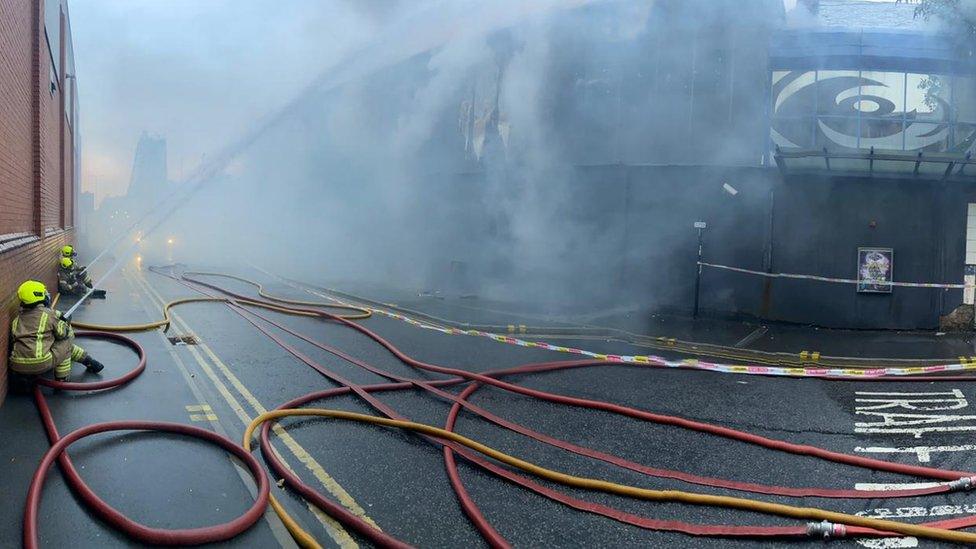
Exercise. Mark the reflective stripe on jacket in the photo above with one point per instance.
(33, 333)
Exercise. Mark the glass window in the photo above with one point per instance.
(794, 93)
(894, 111)
(837, 91)
(927, 97)
(964, 96)
(69, 76)
(793, 133)
(926, 137)
(883, 133)
(52, 29)
(837, 132)
(964, 138)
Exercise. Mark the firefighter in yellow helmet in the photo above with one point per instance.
(42, 339)
(71, 280)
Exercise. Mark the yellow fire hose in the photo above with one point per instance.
(304, 539)
(360, 312)
(147, 326)
(692, 498)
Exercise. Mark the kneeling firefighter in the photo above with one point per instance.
(42, 338)
(71, 280)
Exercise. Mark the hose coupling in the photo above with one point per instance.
(964, 484)
(826, 530)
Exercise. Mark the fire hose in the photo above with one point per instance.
(933, 473)
(624, 490)
(59, 444)
(457, 443)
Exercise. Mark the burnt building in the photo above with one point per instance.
(38, 154)
(567, 158)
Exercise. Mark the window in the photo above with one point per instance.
(52, 30)
(893, 111)
(70, 84)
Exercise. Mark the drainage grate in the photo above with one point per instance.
(183, 340)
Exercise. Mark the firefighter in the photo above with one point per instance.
(71, 280)
(42, 339)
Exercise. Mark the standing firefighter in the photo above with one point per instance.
(42, 338)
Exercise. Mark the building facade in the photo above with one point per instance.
(38, 152)
(569, 160)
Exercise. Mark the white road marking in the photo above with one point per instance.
(889, 408)
(884, 543)
(910, 422)
(923, 453)
(752, 336)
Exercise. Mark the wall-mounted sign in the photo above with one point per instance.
(874, 268)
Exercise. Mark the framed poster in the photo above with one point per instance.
(874, 268)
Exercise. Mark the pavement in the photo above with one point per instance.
(398, 480)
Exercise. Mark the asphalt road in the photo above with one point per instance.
(398, 480)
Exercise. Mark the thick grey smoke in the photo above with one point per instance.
(478, 148)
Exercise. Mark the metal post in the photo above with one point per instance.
(700, 225)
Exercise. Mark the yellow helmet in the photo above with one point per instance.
(68, 251)
(67, 262)
(32, 292)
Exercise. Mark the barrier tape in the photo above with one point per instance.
(688, 363)
(840, 280)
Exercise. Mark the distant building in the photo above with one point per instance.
(148, 183)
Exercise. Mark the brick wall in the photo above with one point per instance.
(36, 160)
(16, 170)
(50, 111)
(33, 260)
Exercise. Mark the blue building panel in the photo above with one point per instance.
(910, 51)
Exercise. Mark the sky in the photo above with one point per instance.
(198, 72)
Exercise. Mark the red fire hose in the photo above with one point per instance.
(137, 531)
(489, 378)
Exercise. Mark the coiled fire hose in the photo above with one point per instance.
(137, 531)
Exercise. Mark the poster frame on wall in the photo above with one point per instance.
(872, 285)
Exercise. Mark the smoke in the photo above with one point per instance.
(502, 149)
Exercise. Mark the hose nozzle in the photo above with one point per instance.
(964, 484)
(826, 530)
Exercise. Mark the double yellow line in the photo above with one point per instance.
(201, 352)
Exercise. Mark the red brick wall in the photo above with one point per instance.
(36, 171)
(50, 147)
(32, 261)
(16, 168)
